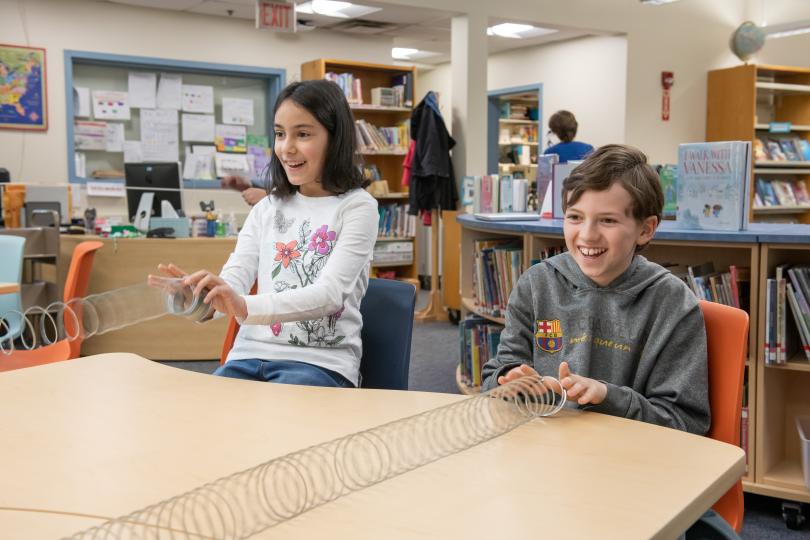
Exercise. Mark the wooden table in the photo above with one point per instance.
(7, 288)
(106, 435)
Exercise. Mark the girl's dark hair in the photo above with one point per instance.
(564, 125)
(341, 169)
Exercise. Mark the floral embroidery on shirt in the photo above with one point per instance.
(281, 224)
(306, 257)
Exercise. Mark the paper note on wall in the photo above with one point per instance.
(132, 152)
(237, 111)
(198, 127)
(199, 167)
(198, 98)
(159, 137)
(231, 138)
(114, 137)
(231, 164)
(89, 135)
(142, 89)
(169, 92)
(105, 189)
(109, 105)
(81, 102)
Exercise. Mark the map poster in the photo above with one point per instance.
(23, 90)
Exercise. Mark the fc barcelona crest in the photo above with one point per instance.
(549, 336)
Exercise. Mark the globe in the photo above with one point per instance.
(746, 40)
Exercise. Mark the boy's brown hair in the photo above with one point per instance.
(620, 163)
(564, 125)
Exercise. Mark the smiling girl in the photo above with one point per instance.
(308, 246)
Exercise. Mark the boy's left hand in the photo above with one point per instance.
(220, 294)
(581, 389)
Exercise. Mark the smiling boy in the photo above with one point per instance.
(624, 336)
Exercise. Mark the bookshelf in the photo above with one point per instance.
(514, 128)
(769, 104)
(387, 160)
(671, 246)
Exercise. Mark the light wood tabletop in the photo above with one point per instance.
(6, 288)
(106, 435)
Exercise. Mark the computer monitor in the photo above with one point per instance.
(162, 179)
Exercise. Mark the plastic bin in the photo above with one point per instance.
(803, 425)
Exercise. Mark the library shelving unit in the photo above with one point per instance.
(670, 246)
(782, 390)
(389, 163)
(514, 126)
(767, 103)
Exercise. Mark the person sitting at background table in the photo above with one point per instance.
(564, 125)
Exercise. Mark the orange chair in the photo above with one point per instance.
(76, 283)
(727, 341)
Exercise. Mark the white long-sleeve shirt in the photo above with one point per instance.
(311, 258)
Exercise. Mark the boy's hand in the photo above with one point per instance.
(516, 373)
(220, 294)
(583, 390)
(253, 195)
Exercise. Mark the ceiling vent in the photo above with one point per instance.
(362, 26)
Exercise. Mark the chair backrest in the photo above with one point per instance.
(727, 341)
(56, 352)
(76, 284)
(11, 265)
(387, 311)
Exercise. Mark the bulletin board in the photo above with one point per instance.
(141, 100)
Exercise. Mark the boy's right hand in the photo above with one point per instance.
(233, 181)
(513, 374)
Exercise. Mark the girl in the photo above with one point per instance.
(308, 245)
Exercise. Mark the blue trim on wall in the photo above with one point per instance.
(274, 77)
(493, 126)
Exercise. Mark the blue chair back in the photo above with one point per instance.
(11, 265)
(387, 311)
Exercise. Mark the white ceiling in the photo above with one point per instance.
(423, 29)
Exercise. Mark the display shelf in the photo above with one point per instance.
(780, 170)
(783, 88)
(781, 209)
(469, 305)
(516, 121)
(793, 127)
(377, 108)
(509, 143)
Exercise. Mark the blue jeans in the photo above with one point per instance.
(282, 372)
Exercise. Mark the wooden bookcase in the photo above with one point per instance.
(389, 164)
(776, 394)
(742, 104)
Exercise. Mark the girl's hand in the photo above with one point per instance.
(167, 271)
(220, 294)
(583, 390)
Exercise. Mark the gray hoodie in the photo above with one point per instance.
(643, 335)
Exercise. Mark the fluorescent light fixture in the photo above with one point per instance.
(657, 2)
(403, 53)
(407, 53)
(517, 31)
(333, 8)
(787, 29)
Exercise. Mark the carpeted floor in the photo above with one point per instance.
(434, 356)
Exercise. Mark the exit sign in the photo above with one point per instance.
(278, 16)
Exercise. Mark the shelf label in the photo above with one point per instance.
(779, 127)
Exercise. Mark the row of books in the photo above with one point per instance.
(479, 342)
(517, 111)
(497, 267)
(731, 287)
(787, 292)
(782, 149)
(395, 221)
(400, 94)
(494, 193)
(780, 193)
(371, 138)
(516, 134)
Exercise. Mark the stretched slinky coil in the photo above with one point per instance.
(250, 501)
(98, 314)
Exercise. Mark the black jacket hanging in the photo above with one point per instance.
(432, 183)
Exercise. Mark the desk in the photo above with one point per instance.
(126, 261)
(8, 288)
(108, 434)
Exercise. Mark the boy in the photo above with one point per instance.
(624, 336)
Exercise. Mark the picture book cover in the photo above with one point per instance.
(713, 186)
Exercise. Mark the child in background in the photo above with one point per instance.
(564, 125)
(308, 245)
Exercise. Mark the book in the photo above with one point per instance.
(713, 185)
(774, 151)
(789, 150)
(668, 176)
(545, 174)
(804, 147)
(760, 154)
(766, 192)
(784, 193)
